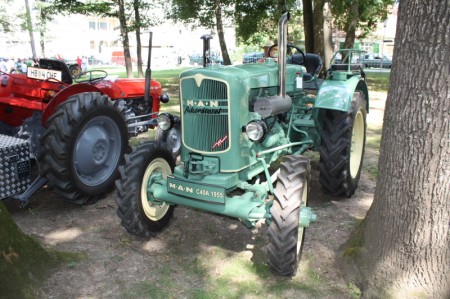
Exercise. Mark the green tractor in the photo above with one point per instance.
(236, 121)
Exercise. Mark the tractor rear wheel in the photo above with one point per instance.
(171, 137)
(139, 214)
(83, 147)
(342, 147)
(286, 235)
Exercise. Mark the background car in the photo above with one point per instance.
(197, 59)
(252, 57)
(374, 60)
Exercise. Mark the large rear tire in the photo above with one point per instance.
(286, 235)
(342, 147)
(83, 147)
(139, 215)
(171, 137)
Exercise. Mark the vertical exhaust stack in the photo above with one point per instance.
(206, 49)
(280, 103)
(282, 47)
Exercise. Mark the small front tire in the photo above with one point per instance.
(138, 212)
(286, 235)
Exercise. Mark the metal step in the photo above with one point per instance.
(15, 166)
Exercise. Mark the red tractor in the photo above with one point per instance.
(72, 136)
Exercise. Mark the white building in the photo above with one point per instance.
(79, 35)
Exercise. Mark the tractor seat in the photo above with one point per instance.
(313, 64)
(53, 64)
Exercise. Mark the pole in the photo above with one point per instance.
(148, 74)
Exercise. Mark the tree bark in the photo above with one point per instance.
(406, 244)
(24, 263)
(220, 33)
(352, 23)
(308, 24)
(328, 50)
(318, 27)
(30, 28)
(125, 40)
(137, 18)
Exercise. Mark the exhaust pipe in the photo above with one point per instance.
(281, 103)
(282, 47)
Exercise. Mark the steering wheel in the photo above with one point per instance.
(274, 48)
(92, 79)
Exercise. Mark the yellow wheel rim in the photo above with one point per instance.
(356, 149)
(304, 201)
(152, 211)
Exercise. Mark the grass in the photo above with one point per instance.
(378, 81)
(219, 273)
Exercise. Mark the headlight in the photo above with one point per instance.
(165, 121)
(256, 130)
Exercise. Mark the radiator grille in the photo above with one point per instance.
(205, 115)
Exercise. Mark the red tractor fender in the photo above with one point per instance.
(63, 95)
(118, 89)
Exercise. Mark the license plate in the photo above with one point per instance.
(43, 74)
(208, 193)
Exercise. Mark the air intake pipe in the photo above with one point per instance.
(280, 103)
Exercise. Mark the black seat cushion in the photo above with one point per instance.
(313, 64)
(53, 64)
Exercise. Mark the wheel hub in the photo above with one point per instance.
(97, 150)
(100, 151)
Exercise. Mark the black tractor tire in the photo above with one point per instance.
(286, 236)
(171, 137)
(83, 146)
(343, 138)
(137, 213)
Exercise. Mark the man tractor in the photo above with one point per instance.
(75, 134)
(236, 122)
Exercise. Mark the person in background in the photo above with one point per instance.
(3, 67)
(23, 66)
(10, 65)
(79, 61)
(84, 63)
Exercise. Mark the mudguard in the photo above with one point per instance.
(337, 94)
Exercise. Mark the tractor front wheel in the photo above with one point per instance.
(138, 211)
(286, 234)
(342, 148)
(83, 146)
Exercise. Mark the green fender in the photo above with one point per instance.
(337, 94)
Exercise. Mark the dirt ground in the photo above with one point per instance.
(199, 255)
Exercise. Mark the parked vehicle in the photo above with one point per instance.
(236, 122)
(77, 134)
(252, 57)
(197, 59)
(374, 60)
(118, 58)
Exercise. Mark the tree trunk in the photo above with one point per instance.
(24, 263)
(124, 36)
(219, 26)
(42, 29)
(30, 28)
(308, 25)
(352, 23)
(137, 18)
(327, 36)
(406, 243)
(318, 27)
